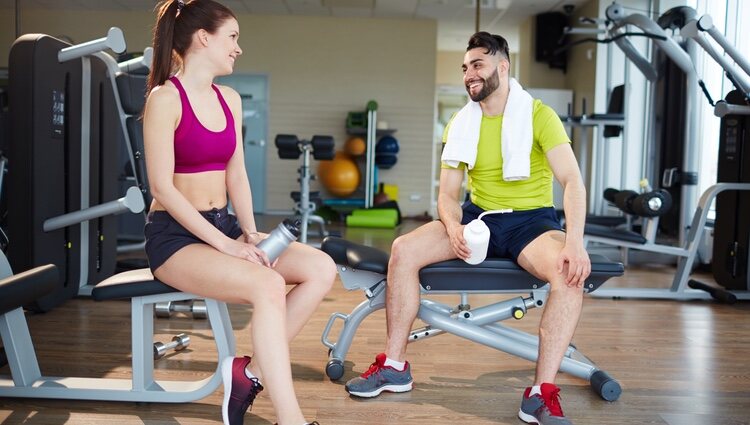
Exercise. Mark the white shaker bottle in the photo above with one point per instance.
(477, 236)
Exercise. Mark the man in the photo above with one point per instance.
(531, 234)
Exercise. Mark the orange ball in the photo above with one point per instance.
(355, 146)
(340, 176)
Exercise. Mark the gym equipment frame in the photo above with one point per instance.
(365, 268)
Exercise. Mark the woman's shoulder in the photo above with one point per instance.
(229, 93)
(231, 96)
(166, 92)
(163, 102)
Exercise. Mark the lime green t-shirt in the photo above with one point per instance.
(488, 189)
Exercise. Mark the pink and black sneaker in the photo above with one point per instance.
(239, 390)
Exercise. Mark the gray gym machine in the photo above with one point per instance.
(320, 148)
(144, 292)
(64, 139)
(686, 249)
(365, 268)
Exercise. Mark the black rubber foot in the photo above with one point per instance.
(604, 385)
(335, 369)
(719, 294)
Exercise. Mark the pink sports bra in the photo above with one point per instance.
(197, 149)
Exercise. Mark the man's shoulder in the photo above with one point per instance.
(543, 110)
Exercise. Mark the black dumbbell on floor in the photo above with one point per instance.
(197, 308)
(179, 342)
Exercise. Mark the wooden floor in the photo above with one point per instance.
(679, 363)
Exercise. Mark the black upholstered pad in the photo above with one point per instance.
(493, 275)
(502, 274)
(619, 234)
(27, 287)
(132, 283)
(132, 91)
(355, 255)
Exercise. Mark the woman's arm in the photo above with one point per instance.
(160, 118)
(238, 185)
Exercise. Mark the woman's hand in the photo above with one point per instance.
(246, 251)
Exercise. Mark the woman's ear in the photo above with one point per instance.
(202, 37)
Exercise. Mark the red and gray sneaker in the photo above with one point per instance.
(379, 378)
(239, 390)
(544, 408)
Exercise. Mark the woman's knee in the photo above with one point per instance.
(269, 289)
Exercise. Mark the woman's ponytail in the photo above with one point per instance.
(163, 43)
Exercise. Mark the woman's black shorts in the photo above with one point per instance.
(165, 236)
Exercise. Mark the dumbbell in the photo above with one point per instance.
(197, 308)
(179, 342)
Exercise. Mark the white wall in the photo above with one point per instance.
(319, 69)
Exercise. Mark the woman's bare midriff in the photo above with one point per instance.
(205, 190)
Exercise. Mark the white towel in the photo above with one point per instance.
(517, 134)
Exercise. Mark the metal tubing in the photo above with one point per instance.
(114, 40)
(143, 62)
(132, 201)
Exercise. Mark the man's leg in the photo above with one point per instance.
(563, 309)
(559, 320)
(409, 253)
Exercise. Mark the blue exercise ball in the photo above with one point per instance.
(387, 144)
(385, 160)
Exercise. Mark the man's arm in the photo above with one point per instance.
(565, 168)
(449, 209)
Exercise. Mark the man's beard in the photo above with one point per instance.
(489, 85)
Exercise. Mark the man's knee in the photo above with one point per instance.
(400, 250)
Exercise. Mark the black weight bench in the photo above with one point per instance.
(365, 268)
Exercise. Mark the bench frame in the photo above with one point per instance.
(480, 325)
(27, 381)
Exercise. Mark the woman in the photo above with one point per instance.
(194, 158)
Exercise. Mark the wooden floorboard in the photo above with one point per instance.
(679, 363)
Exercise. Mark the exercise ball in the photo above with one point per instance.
(355, 146)
(340, 176)
(387, 144)
(386, 160)
(386, 151)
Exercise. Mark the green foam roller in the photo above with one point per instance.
(383, 221)
(377, 212)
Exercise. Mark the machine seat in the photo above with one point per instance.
(355, 255)
(493, 275)
(24, 288)
(619, 234)
(502, 275)
(129, 284)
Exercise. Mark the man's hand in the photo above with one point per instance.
(458, 243)
(574, 262)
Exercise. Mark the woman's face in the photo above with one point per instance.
(225, 48)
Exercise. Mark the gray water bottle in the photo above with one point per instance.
(285, 233)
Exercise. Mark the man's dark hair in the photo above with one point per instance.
(492, 43)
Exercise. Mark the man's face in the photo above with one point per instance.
(481, 73)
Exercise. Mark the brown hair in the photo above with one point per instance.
(176, 22)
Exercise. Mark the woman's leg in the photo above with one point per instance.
(204, 271)
(312, 272)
